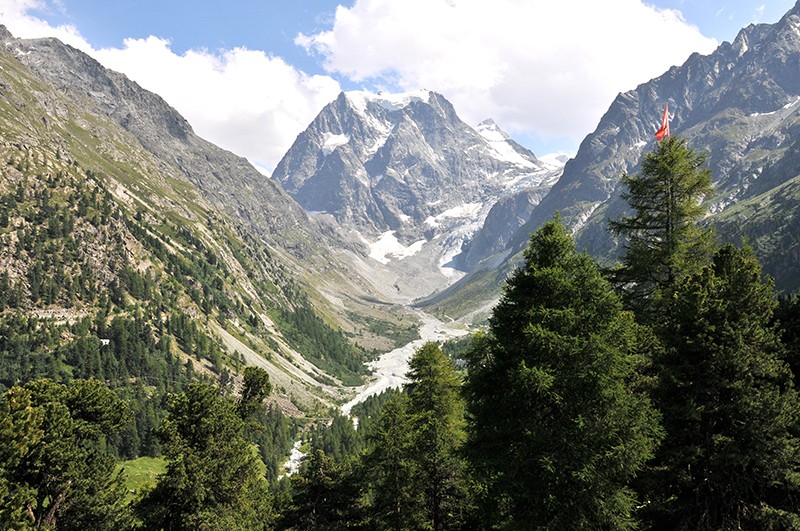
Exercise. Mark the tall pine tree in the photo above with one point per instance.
(213, 480)
(663, 240)
(391, 465)
(730, 456)
(437, 415)
(556, 427)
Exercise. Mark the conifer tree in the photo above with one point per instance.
(787, 315)
(325, 496)
(212, 479)
(437, 416)
(730, 456)
(391, 465)
(556, 427)
(663, 241)
(255, 388)
(54, 472)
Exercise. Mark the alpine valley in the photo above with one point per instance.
(168, 258)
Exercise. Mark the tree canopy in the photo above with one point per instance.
(663, 242)
(54, 471)
(730, 456)
(213, 479)
(556, 427)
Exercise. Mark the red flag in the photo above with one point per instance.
(664, 131)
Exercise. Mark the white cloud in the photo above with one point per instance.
(243, 100)
(16, 16)
(542, 67)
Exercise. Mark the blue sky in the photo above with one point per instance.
(250, 75)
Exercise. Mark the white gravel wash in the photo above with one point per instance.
(389, 370)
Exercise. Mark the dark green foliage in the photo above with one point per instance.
(324, 346)
(557, 429)
(416, 476)
(54, 471)
(436, 412)
(326, 496)
(274, 436)
(255, 389)
(340, 441)
(663, 241)
(397, 503)
(457, 349)
(787, 315)
(730, 456)
(212, 479)
(370, 410)
(138, 367)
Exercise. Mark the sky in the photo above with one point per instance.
(250, 75)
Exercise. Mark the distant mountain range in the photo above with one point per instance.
(106, 194)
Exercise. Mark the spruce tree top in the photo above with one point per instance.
(663, 240)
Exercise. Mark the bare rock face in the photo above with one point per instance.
(740, 104)
(405, 166)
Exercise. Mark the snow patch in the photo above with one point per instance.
(555, 160)
(498, 141)
(584, 217)
(391, 102)
(467, 210)
(331, 142)
(787, 106)
(388, 247)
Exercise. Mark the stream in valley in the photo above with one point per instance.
(389, 370)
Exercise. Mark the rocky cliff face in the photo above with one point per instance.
(740, 104)
(410, 176)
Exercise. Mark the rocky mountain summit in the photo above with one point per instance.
(739, 104)
(229, 181)
(406, 173)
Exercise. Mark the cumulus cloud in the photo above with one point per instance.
(243, 100)
(240, 99)
(541, 67)
(18, 18)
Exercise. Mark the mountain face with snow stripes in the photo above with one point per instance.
(405, 169)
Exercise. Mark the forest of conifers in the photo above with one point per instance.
(660, 393)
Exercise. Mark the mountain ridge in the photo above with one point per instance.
(740, 104)
(406, 174)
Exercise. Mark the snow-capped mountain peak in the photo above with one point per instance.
(404, 169)
(359, 99)
(505, 149)
(491, 131)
